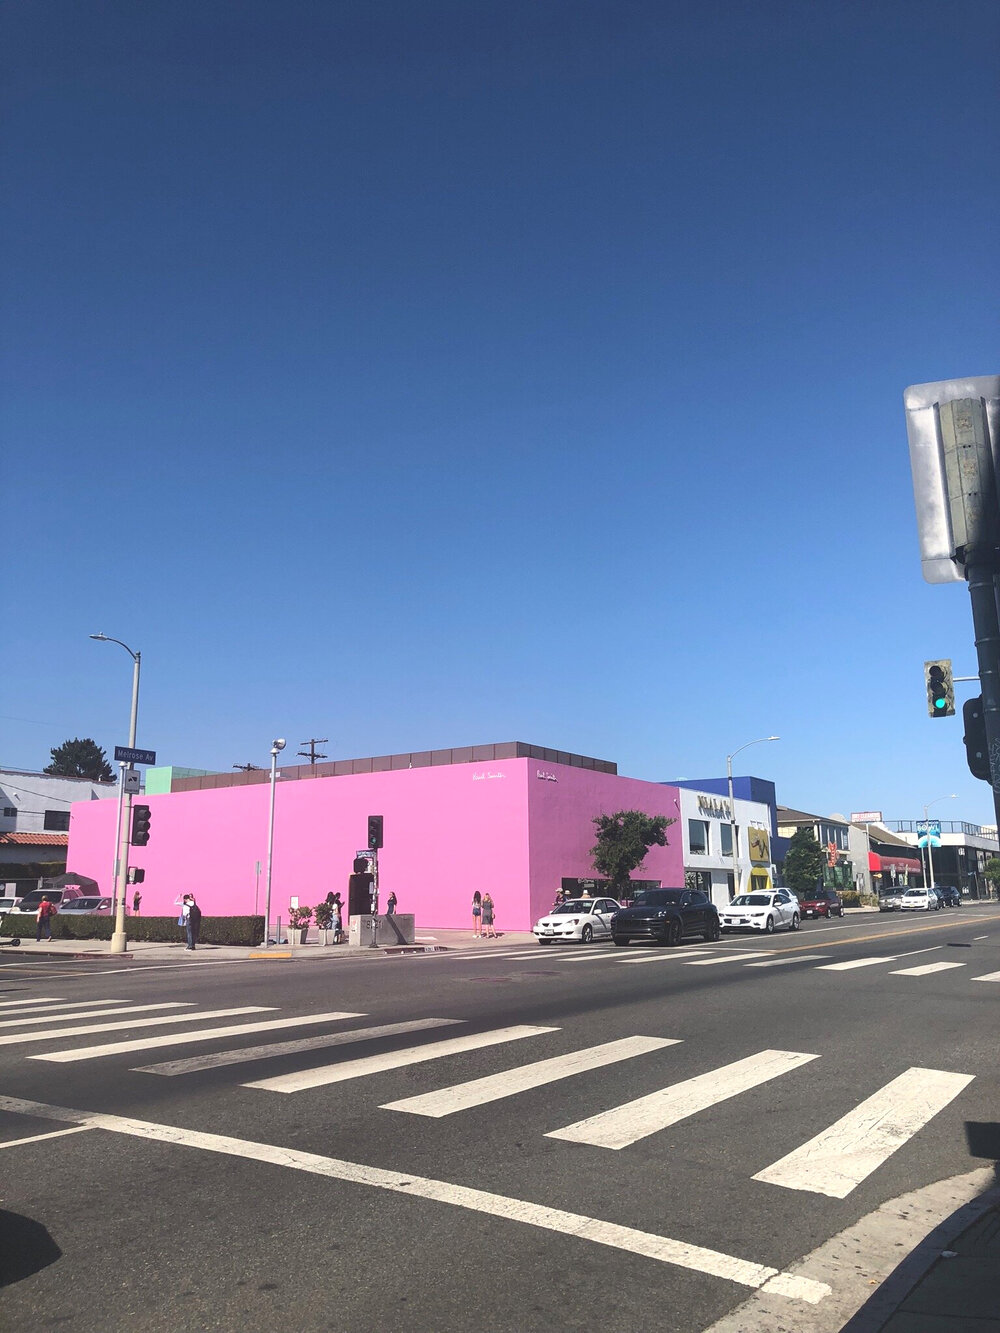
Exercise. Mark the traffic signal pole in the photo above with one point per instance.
(119, 940)
(982, 577)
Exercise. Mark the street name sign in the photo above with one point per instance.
(125, 755)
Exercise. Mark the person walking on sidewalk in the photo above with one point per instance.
(193, 922)
(43, 920)
(390, 907)
(336, 918)
(488, 930)
(477, 915)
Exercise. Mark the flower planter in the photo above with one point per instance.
(302, 932)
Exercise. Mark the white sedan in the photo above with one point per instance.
(919, 900)
(582, 919)
(761, 911)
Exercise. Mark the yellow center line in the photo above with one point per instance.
(882, 935)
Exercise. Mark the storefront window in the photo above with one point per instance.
(726, 839)
(698, 837)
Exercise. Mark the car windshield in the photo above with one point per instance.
(576, 905)
(752, 900)
(914, 893)
(657, 897)
(33, 899)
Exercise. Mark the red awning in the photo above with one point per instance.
(877, 863)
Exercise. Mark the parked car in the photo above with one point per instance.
(762, 911)
(820, 902)
(582, 919)
(890, 900)
(9, 902)
(920, 900)
(28, 906)
(86, 907)
(666, 916)
(949, 895)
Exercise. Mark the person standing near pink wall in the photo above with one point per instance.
(490, 933)
(477, 914)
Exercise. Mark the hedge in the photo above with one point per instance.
(238, 930)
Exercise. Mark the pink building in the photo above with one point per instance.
(497, 818)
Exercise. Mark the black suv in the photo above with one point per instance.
(949, 895)
(666, 916)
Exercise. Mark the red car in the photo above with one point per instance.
(820, 902)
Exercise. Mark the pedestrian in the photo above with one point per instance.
(136, 902)
(477, 914)
(182, 916)
(488, 917)
(336, 919)
(193, 922)
(43, 920)
(390, 906)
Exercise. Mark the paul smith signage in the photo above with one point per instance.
(714, 806)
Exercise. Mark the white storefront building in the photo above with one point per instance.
(709, 827)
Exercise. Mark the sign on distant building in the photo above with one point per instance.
(866, 817)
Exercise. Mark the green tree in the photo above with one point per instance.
(623, 839)
(804, 861)
(992, 871)
(80, 759)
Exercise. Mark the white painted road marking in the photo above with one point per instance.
(93, 1013)
(43, 999)
(589, 1230)
(41, 1138)
(925, 969)
(376, 1064)
(795, 958)
(840, 1157)
(185, 1038)
(446, 1101)
(687, 957)
(638, 1119)
(730, 958)
(249, 1053)
(128, 1023)
(990, 976)
(856, 962)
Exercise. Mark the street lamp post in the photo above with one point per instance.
(929, 865)
(732, 803)
(119, 939)
(276, 748)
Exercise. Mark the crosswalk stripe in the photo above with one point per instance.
(658, 957)
(376, 1064)
(494, 1087)
(638, 1119)
(185, 1038)
(925, 970)
(600, 956)
(92, 1013)
(855, 962)
(729, 958)
(42, 999)
(843, 1155)
(990, 976)
(272, 1049)
(9, 1039)
(796, 958)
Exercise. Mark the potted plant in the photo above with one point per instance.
(298, 919)
(323, 916)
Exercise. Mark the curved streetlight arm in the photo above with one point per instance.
(106, 638)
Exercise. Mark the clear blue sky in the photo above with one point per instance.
(418, 373)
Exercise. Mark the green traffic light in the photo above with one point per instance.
(940, 703)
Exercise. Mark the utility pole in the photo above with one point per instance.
(311, 754)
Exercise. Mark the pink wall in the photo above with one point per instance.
(448, 830)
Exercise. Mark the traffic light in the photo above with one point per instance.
(374, 832)
(140, 825)
(136, 875)
(976, 751)
(940, 688)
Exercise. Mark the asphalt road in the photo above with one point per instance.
(592, 1138)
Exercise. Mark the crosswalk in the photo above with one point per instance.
(833, 1160)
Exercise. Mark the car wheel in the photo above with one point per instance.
(795, 921)
(619, 943)
(714, 933)
(769, 926)
(674, 933)
(587, 934)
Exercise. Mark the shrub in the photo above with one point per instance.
(236, 930)
(850, 897)
(299, 917)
